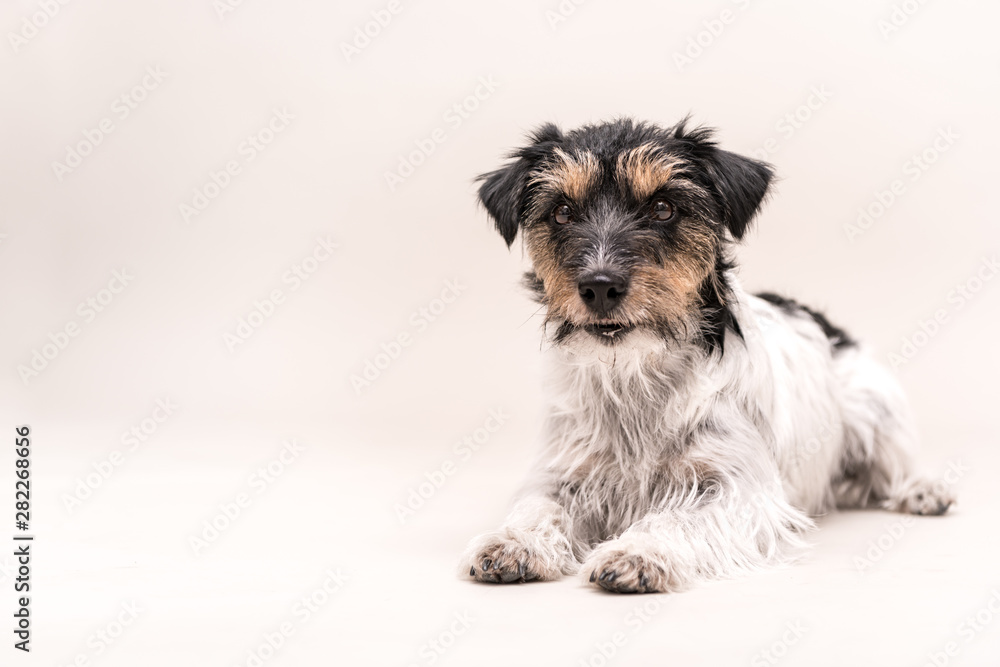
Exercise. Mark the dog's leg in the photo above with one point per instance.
(879, 445)
(533, 544)
(727, 524)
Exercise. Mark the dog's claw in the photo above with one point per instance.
(520, 570)
(608, 576)
(644, 581)
(486, 564)
(472, 571)
(593, 576)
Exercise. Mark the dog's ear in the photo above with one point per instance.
(504, 191)
(741, 184)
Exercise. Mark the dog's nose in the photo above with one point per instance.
(602, 292)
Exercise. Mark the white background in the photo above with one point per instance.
(890, 93)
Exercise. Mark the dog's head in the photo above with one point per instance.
(626, 225)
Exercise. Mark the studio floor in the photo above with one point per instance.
(292, 549)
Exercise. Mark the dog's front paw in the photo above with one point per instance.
(924, 497)
(506, 559)
(627, 570)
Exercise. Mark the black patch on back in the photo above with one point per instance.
(839, 338)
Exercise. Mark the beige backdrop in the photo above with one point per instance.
(228, 225)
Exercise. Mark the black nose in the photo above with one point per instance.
(602, 292)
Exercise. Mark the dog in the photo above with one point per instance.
(695, 430)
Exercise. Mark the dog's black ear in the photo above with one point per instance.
(739, 183)
(501, 194)
(742, 185)
(504, 191)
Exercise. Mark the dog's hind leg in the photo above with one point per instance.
(877, 465)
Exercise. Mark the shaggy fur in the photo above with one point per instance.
(694, 429)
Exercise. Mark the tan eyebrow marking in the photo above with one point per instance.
(573, 175)
(644, 170)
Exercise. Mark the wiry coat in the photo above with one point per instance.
(694, 429)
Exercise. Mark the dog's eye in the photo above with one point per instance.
(562, 214)
(662, 210)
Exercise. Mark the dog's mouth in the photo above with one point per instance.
(609, 331)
